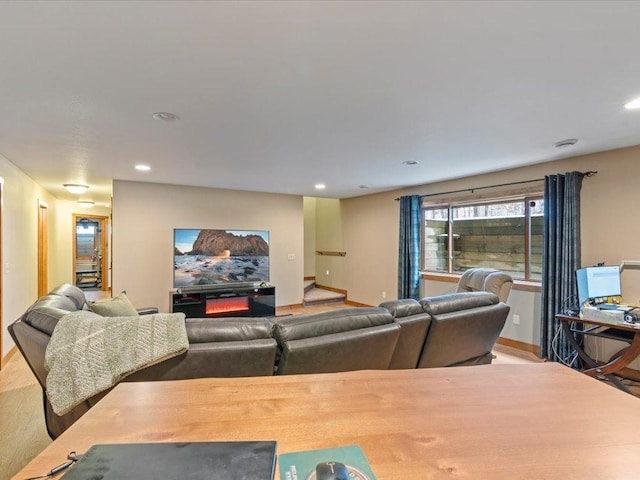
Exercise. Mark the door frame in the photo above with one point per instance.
(43, 248)
(103, 221)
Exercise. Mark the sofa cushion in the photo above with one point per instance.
(72, 292)
(230, 329)
(119, 306)
(457, 301)
(326, 323)
(44, 314)
(403, 308)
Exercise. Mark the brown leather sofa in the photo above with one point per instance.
(399, 334)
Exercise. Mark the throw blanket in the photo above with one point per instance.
(88, 354)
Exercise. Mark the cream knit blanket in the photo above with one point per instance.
(88, 353)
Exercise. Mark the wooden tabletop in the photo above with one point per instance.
(538, 421)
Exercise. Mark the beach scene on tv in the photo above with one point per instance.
(214, 257)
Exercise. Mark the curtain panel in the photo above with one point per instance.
(560, 259)
(409, 248)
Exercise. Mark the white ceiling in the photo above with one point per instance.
(277, 96)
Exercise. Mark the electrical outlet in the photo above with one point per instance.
(384, 294)
(327, 273)
(516, 319)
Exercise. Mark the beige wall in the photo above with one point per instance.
(330, 269)
(20, 244)
(145, 214)
(309, 206)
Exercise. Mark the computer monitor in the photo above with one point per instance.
(598, 282)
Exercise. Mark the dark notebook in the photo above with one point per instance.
(173, 461)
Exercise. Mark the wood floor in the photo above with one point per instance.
(22, 431)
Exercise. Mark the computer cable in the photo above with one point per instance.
(72, 458)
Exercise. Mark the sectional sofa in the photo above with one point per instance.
(450, 330)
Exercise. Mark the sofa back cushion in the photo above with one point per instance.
(336, 341)
(230, 329)
(73, 293)
(296, 327)
(44, 314)
(454, 302)
(464, 337)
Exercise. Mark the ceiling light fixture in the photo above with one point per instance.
(569, 142)
(633, 104)
(166, 116)
(75, 188)
(143, 168)
(410, 162)
(320, 186)
(86, 203)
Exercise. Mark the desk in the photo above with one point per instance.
(495, 422)
(604, 328)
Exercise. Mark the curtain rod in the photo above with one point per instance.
(590, 173)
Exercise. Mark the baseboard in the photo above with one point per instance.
(357, 304)
(331, 289)
(313, 279)
(526, 347)
(8, 356)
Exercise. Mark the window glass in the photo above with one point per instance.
(505, 235)
(436, 241)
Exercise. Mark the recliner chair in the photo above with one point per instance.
(486, 280)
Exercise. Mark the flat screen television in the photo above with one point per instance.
(219, 257)
(598, 283)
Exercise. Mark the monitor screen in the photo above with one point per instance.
(598, 282)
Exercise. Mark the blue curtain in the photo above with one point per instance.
(560, 259)
(409, 251)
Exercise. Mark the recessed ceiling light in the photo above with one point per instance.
(569, 142)
(75, 188)
(410, 162)
(143, 168)
(633, 104)
(86, 203)
(166, 116)
(320, 186)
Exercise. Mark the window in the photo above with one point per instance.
(503, 234)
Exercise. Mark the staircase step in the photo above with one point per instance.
(309, 285)
(320, 296)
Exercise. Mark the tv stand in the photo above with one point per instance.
(226, 301)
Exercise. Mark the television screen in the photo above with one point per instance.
(598, 282)
(216, 257)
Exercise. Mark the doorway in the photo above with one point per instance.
(90, 252)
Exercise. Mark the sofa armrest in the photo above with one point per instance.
(403, 308)
(147, 310)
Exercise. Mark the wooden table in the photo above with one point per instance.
(604, 327)
(490, 422)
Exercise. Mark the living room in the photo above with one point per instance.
(310, 120)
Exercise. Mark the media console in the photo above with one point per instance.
(227, 301)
